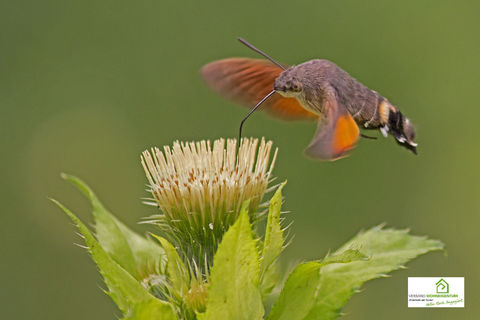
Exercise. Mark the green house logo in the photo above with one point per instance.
(442, 286)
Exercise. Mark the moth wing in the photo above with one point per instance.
(337, 133)
(246, 81)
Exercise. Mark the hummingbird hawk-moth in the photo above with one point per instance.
(314, 90)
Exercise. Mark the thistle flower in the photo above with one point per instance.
(199, 189)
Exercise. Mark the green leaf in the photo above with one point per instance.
(335, 283)
(151, 310)
(150, 258)
(346, 256)
(177, 272)
(125, 290)
(297, 297)
(387, 250)
(233, 292)
(273, 244)
(138, 255)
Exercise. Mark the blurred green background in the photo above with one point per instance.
(85, 86)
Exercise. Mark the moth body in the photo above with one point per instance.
(314, 90)
(311, 81)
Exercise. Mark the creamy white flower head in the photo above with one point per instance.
(200, 189)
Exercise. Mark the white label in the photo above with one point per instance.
(436, 292)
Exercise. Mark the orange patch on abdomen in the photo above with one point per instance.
(384, 111)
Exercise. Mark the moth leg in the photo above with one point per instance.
(367, 137)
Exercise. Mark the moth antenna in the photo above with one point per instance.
(245, 42)
(250, 112)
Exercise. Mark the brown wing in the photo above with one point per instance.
(336, 134)
(247, 81)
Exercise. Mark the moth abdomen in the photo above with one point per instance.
(401, 128)
(364, 107)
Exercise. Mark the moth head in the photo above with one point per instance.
(287, 84)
